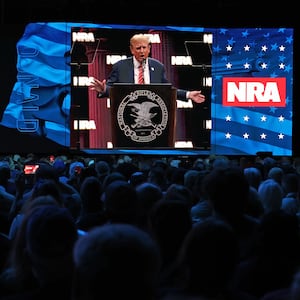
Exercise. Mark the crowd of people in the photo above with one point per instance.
(152, 228)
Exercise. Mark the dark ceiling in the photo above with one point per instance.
(210, 13)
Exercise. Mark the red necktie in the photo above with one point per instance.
(141, 74)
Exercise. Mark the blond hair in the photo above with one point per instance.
(140, 37)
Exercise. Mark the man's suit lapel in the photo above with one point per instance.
(130, 70)
(151, 71)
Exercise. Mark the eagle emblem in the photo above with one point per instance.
(141, 112)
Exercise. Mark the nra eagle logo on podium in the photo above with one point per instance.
(143, 115)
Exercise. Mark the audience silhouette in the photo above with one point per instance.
(41, 265)
(149, 228)
(207, 262)
(116, 261)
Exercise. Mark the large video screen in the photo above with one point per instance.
(186, 56)
(246, 75)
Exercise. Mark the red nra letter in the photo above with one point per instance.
(260, 91)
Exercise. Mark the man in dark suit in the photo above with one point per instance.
(127, 71)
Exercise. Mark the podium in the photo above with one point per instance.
(143, 115)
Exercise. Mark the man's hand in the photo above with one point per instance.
(98, 86)
(196, 96)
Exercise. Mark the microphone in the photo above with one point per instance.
(144, 63)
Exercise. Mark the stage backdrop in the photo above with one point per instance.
(245, 73)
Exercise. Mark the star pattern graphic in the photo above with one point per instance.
(252, 52)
